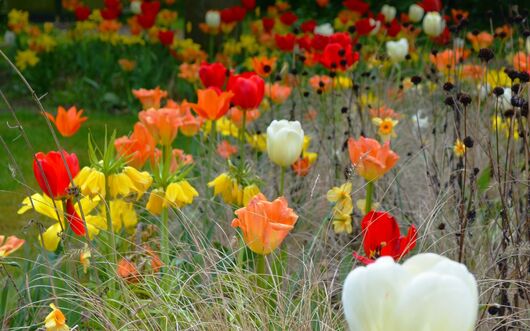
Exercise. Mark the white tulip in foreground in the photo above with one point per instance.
(428, 292)
(284, 142)
(433, 24)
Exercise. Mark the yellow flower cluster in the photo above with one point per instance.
(505, 126)
(343, 208)
(231, 191)
(129, 181)
(178, 194)
(25, 59)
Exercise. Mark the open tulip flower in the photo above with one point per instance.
(213, 75)
(163, 124)
(212, 104)
(11, 245)
(248, 89)
(150, 98)
(68, 121)
(371, 159)
(265, 224)
(51, 172)
(381, 237)
(428, 292)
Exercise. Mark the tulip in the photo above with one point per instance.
(371, 159)
(278, 93)
(263, 66)
(212, 104)
(265, 224)
(150, 98)
(166, 37)
(51, 173)
(284, 142)
(248, 89)
(67, 122)
(388, 12)
(10, 245)
(397, 50)
(213, 19)
(137, 148)
(416, 13)
(213, 75)
(337, 57)
(428, 292)
(324, 30)
(433, 24)
(163, 124)
(381, 237)
(55, 321)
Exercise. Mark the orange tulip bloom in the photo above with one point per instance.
(128, 271)
(212, 105)
(263, 66)
(126, 64)
(481, 40)
(67, 122)
(321, 83)
(521, 62)
(150, 98)
(447, 59)
(265, 224)
(277, 93)
(10, 245)
(371, 159)
(473, 71)
(163, 124)
(225, 149)
(383, 112)
(137, 148)
(301, 166)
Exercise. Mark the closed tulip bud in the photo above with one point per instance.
(213, 19)
(416, 13)
(433, 24)
(284, 142)
(428, 292)
(397, 50)
(324, 29)
(388, 12)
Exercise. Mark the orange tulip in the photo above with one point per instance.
(137, 148)
(301, 166)
(126, 64)
(371, 159)
(225, 149)
(67, 122)
(263, 66)
(163, 124)
(321, 83)
(265, 224)
(277, 93)
(480, 40)
(150, 98)
(447, 59)
(521, 62)
(10, 245)
(212, 105)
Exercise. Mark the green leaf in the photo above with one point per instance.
(483, 181)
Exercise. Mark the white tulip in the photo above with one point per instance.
(397, 50)
(213, 19)
(324, 29)
(284, 142)
(527, 44)
(136, 7)
(433, 24)
(428, 292)
(388, 12)
(416, 13)
(505, 100)
(376, 25)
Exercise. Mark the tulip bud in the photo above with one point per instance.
(433, 24)
(284, 142)
(324, 29)
(416, 13)
(397, 50)
(213, 19)
(388, 12)
(428, 292)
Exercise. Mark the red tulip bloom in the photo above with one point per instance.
(393, 28)
(304, 42)
(285, 42)
(431, 5)
(319, 42)
(364, 26)
(82, 13)
(357, 6)
(268, 24)
(166, 37)
(111, 10)
(288, 18)
(308, 26)
(233, 14)
(76, 223)
(213, 75)
(381, 237)
(148, 16)
(52, 175)
(248, 89)
(248, 4)
(336, 57)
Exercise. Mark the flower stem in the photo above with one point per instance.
(242, 140)
(164, 237)
(282, 180)
(369, 194)
(260, 270)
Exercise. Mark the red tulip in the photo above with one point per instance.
(166, 37)
(431, 5)
(308, 26)
(248, 89)
(76, 223)
(111, 10)
(148, 16)
(268, 24)
(365, 25)
(233, 14)
(319, 42)
(336, 57)
(357, 6)
(285, 42)
(213, 75)
(52, 175)
(82, 13)
(393, 28)
(288, 18)
(248, 4)
(381, 237)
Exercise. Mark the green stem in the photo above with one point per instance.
(369, 194)
(282, 180)
(242, 140)
(211, 47)
(260, 270)
(164, 236)
(111, 239)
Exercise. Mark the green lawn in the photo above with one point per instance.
(11, 188)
